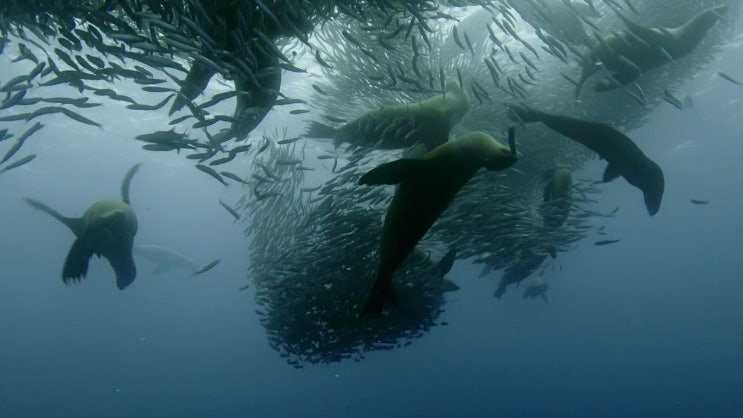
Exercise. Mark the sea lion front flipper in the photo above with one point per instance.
(127, 182)
(446, 263)
(393, 172)
(611, 173)
(123, 264)
(75, 224)
(196, 81)
(76, 263)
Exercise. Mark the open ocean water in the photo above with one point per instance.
(650, 326)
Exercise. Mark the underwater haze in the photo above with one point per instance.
(649, 326)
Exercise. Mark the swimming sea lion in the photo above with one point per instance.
(559, 18)
(627, 54)
(556, 201)
(624, 157)
(399, 126)
(537, 288)
(527, 264)
(426, 187)
(251, 59)
(106, 229)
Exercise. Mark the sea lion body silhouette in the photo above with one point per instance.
(425, 189)
(106, 229)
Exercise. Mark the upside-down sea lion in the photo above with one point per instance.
(627, 54)
(426, 187)
(403, 125)
(624, 157)
(537, 288)
(107, 229)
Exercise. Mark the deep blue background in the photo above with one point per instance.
(651, 326)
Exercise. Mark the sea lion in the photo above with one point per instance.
(560, 18)
(624, 157)
(107, 229)
(426, 187)
(627, 54)
(555, 206)
(537, 288)
(403, 125)
(251, 57)
(527, 264)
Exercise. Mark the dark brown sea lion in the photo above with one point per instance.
(624, 157)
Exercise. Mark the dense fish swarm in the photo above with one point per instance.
(314, 239)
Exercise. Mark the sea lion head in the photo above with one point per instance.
(110, 223)
(652, 183)
(456, 102)
(487, 151)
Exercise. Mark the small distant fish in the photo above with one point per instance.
(606, 242)
(298, 111)
(233, 176)
(244, 287)
(210, 171)
(728, 78)
(229, 209)
(699, 201)
(207, 267)
(15, 164)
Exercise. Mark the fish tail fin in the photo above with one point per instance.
(76, 263)
(75, 224)
(547, 301)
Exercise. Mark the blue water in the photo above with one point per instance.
(649, 327)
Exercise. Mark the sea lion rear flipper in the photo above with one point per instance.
(611, 173)
(76, 263)
(393, 172)
(449, 286)
(499, 291)
(123, 264)
(75, 224)
(381, 294)
(321, 130)
(127, 182)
